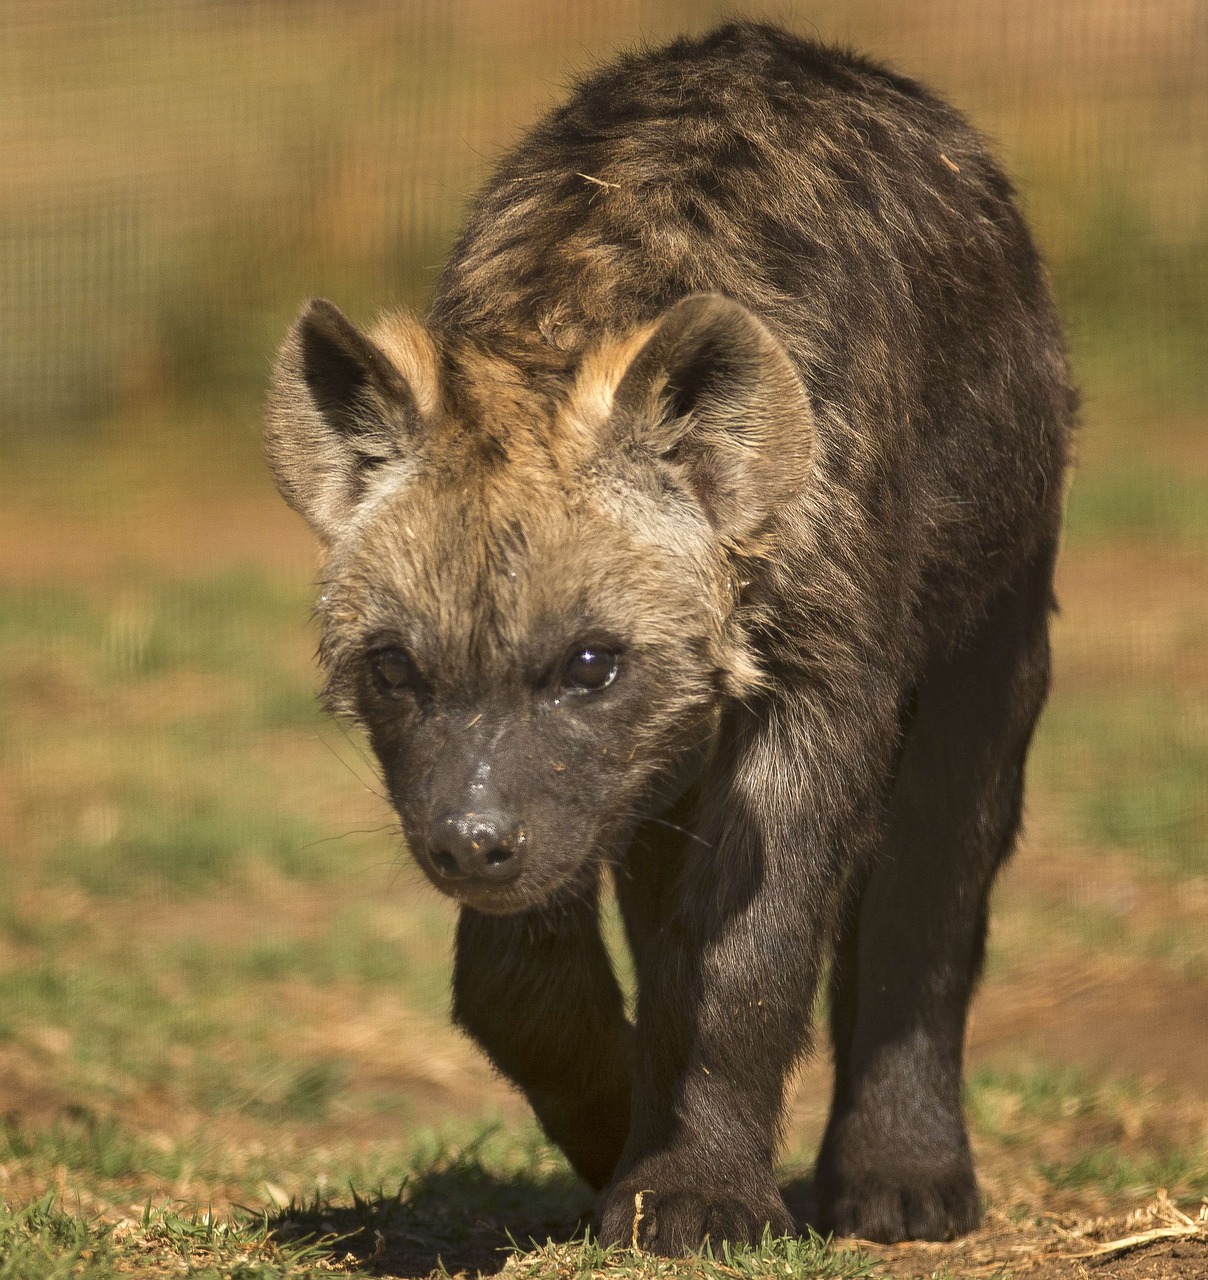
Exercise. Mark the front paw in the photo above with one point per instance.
(887, 1207)
(674, 1221)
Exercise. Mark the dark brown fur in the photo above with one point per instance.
(745, 375)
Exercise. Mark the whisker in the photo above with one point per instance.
(356, 745)
(675, 826)
(372, 790)
(360, 831)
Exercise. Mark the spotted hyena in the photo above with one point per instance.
(703, 535)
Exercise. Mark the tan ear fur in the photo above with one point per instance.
(342, 406)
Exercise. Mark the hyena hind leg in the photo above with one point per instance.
(895, 1161)
(538, 993)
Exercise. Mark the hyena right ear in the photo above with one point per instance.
(339, 408)
(713, 393)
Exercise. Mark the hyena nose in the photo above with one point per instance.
(476, 846)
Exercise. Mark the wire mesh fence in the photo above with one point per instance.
(175, 175)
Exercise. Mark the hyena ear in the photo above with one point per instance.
(715, 394)
(338, 409)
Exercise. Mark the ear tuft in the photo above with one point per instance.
(339, 408)
(715, 395)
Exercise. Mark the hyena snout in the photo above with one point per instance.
(484, 846)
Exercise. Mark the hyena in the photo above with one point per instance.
(702, 537)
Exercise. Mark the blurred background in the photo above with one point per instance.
(219, 978)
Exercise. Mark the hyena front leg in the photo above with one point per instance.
(538, 993)
(895, 1162)
(727, 974)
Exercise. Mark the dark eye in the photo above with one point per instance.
(393, 671)
(590, 669)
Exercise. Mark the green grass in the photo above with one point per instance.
(995, 1096)
(1147, 505)
(100, 1148)
(150, 712)
(806, 1257)
(181, 854)
(466, 1206)
(360, 945)
(1129, 768)
(45, 1241)
(1082, 1132)
(115, 1026)
(140, 626)
(179, 1023)
(1135, 300)
(1178, 944)
(1115, 1174)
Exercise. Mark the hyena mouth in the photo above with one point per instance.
(491, 897)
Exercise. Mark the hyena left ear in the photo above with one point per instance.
(713, 392)
(340, 408)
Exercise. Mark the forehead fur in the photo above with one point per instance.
(525, 398)
(490, 567)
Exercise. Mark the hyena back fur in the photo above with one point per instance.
(705, 532)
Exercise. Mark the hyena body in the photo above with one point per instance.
(706, 531)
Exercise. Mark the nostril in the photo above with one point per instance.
(446, 864)
(498, 855)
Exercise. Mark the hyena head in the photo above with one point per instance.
(531, 589)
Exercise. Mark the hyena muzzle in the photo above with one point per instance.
(704, 533)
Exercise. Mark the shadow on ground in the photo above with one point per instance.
(463, 1217)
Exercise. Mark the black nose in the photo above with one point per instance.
(484, 846)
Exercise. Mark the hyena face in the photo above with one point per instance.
(531, 595)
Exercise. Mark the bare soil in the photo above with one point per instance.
(1066, 1248)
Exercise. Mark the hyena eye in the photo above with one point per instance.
(590, 669)
(393, 671)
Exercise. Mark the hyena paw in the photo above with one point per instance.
(883, 1207)
(673, 1222)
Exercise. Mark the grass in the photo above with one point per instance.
(503, 1194)
(99, 1148)
(809, 1256)
(199, 1032)
(1116, 1175)
(1134, 300)
(1149, 504)
(1116, 1139)
(44, 1241)
(189, 852)
(1130, 770)
(142, 628)
(471, 1206)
